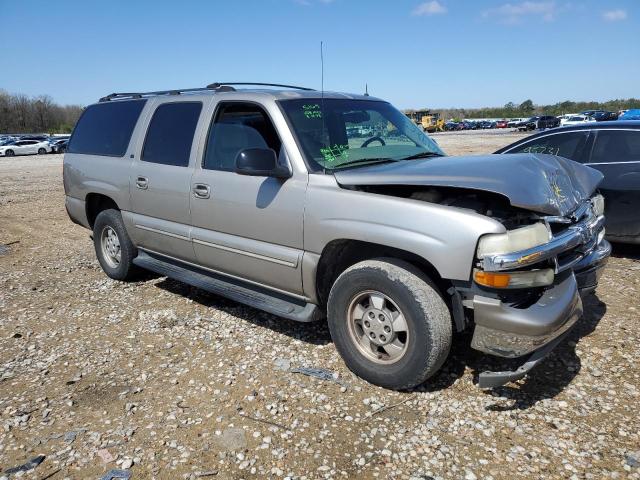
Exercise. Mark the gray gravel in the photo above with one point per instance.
(171, 382)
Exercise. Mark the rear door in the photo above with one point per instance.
(25, 147)
(616, 153)
(160, 179)
(246, 226)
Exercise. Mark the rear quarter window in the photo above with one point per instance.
(106, 128)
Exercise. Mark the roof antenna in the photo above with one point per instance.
(366, 90)
(321, 68)
(322, 90)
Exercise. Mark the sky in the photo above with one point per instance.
(413, 53)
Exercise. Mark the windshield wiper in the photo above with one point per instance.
(364, 160)
(422, 155)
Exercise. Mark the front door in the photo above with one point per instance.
(245, 226)
(160, 181)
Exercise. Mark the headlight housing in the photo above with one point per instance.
(514, 240)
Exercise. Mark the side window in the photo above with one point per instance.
(569, 145)
(106, 128)
(616, 146)
(170, 133)
(237, 126)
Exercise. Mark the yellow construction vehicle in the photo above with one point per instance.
(426, 119)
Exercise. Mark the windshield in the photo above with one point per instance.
(336, 133)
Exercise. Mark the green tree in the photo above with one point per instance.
(526, 107)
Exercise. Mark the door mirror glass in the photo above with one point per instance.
(260, 162)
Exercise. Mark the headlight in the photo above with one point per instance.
(598, 205)
(527, 279)
(514, 240)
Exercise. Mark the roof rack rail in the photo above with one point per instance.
(223, 84)
(113, 96)
(217, 86)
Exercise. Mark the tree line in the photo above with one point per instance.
(22, 114)
(529, 109)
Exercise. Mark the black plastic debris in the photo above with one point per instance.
(4, 248)
(25, 467)
(115, 474)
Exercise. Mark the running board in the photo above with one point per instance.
(258, 297)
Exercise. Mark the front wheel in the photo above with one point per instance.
(42, 151)
(389, 323)
(114, 248)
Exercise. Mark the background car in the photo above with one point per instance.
(592, 113)
(604, 116)
(452, 126)
(513, 123)
(528, 124)
(613, 148)
(563, 118)
(633, 114)
(58, 144)
(25, 147)
(40, 138)
(501, 124)
(578, 119)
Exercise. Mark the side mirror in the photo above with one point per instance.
(260, 162)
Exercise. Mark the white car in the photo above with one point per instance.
(567, 116)
(25, 147)
(577, 120)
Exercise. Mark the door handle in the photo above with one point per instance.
(200, 190)
(142, 183)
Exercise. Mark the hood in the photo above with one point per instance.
(541, 183)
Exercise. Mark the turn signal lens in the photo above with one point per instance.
(528, 279)
(490, 279)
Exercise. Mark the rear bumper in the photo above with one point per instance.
(76, 211)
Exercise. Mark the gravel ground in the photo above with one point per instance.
(172, 382)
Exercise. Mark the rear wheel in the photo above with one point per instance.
(389, 323)
(114, 248)
(9, 153)
(42, 151)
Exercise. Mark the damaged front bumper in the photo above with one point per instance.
(580, 254)
(512, 332)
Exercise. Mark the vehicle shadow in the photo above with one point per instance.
(546, 380)
(315, 333)
(625, 250)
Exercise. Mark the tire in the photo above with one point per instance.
(426, 340)
(109, 223)
(9, 153)
(42, 151)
